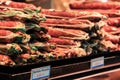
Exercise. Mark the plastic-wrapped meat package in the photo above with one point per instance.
(94, 5)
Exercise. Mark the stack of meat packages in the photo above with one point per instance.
(22, 40)
(30, 34)
(110, 32)
(88, 28)
(74, 33)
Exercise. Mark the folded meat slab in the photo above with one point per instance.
(12, 26)
(94, 5)
(113, 38)
(68, 33)
(17, 4)
(37, 51)
(70, 23)
(6, 60)
(113, 21)
(11, 49)
(48, 47)
(65, 53)
(7, 36)
(92, 16)
(23, 15)
(108, 46)
(110, 33)
(64, 42)
(58, 14)
(108, 13)
(111, 30)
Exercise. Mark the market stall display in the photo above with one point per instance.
(110, 31)
(22, 40)
(32, 37)
(36, 35)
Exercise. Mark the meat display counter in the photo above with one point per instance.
(82, 69)
(64, 69)
(67, 41)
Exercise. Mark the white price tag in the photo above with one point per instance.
(40, 73)
(97, 62)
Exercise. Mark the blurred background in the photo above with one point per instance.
(56, 4)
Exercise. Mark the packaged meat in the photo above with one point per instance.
(24, 15)
(68, 33)
(108, 46)
(12, 26)
(92, 16)
(70, 23)
(7, 36)
(17, 5)
(113, 21)
(48, 47)
(64, 42)
(6, 60)
(94, 5)
(11, 49)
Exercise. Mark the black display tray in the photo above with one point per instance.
(25, 68)
(59, 68)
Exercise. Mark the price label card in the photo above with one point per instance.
(97, 62)
(40, 73)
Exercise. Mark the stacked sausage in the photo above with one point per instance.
(111, 31)
(22, 40)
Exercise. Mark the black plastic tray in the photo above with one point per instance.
(59, 68)
(25, 68)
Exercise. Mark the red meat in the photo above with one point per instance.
(5, 60)
(60, 41)
(17, 5)
(94, 5)
(68, 33)
(11, 24)
(73, 14)
(71, 24)
(113, 22)
(111, 29)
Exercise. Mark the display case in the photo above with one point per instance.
(63, 69)
(67, 41)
